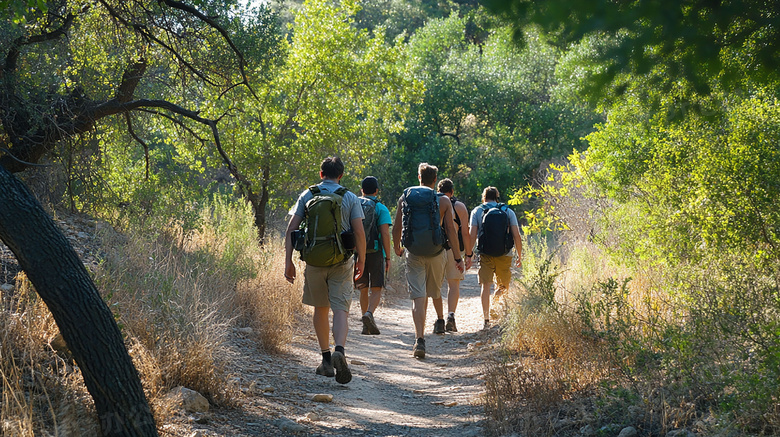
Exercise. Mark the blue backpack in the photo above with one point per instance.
(421, 233)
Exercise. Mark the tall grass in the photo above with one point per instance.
(42, 393)
(177, 296)
(593, 344)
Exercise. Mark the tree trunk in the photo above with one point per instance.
(85, 321)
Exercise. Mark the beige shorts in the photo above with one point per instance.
(425, 274)
(451, 271)
(498, 266)
(329, 286)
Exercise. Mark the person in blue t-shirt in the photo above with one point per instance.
(377, 258)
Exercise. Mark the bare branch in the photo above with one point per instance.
(13, 52)
(142, 142)
(208, 20)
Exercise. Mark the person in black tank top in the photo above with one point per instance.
(453, 276)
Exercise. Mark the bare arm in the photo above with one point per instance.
(289, 267)
(518, 245)
(384, 231)
(360, 245)
(472, 237)
(446, 212)
(397, 230)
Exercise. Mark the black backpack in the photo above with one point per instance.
(369, 224)
(457, 223)
(456, 217)
(421, 233)
(495, 237)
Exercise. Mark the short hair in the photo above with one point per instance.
(332, 167)
(490, 193)
(446, 186)
(427, 173)
(369, 185)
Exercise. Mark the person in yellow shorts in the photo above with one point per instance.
(494, 227)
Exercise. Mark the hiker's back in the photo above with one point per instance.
(370, 223)
(495, 237)
(421, 232)
(323, 227)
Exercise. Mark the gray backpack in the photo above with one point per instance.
(421, 233)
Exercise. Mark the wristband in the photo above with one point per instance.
(457, 260)
(469, 256)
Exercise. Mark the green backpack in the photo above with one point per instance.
(322, 227)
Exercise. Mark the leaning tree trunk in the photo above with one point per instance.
(85, 321)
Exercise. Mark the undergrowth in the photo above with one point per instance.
(177, 296)
(591, 347)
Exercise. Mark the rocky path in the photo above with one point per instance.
(391, 393)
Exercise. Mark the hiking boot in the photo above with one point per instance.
(343, 375)
(326, 369)
(438, 327)
(419, 348)
(451, 324)
(369, 326)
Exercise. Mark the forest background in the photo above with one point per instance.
(650, 283)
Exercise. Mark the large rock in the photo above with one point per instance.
(189, 400)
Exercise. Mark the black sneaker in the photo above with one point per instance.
(438, 327)
(369, 326)
(326, 369)
(451, 324)
(419, 348)
(343, 375)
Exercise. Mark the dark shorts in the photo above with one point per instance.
(373, 272)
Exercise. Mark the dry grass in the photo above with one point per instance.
(177, 297)
(555, 368)
(42, 394)
(268, 302)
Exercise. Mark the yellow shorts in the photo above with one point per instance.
(498, 266)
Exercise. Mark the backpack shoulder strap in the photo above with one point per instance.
(341, 191)
(315, 189)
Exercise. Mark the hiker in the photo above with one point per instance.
(332, 228)
(418, 224)
(376, 226)
(494, 228)
(452, 275)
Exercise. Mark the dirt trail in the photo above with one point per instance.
(391, 393)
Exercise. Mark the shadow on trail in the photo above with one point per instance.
(393, 393)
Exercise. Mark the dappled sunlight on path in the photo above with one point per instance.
(391, 392)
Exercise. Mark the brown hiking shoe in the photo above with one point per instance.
(450, 327)
(326, 369)
(343, 375)
(419, 348)
(369, 325)
(438, 327)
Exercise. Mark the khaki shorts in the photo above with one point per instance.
(498, 266)
(425, 275)
(329, 286)
(451, 271)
